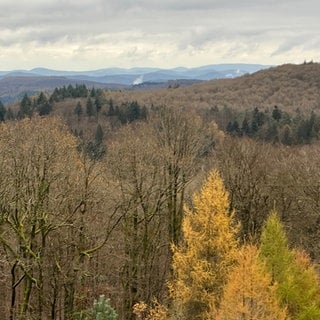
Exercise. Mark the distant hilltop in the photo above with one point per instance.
(139, 75)
(14, 84)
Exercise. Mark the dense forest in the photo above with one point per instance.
(178, 203)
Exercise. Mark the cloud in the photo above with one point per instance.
(90, 34)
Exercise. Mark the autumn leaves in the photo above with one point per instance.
(201, 264)
(59, 208)
(216, 277)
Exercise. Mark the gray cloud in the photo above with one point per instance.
(99, 33)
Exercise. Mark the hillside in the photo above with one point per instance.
(96, 181)
(14, 87)
(290, 87)
(14, 84)
(280, 104)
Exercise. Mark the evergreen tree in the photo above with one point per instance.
(42, 105)
(44, 109)
(25, 107)
(80, 91)
(102, 310)
(42, 99)
(254, 127)
(98, 104)
(69, 91)
(229, 127)
(9, 114)
(78, 110)
(287, 136)
(143, 113)
(93, 92)
(133, 112)
(249, 293)
(272, 133)
(3, 111)
(99, 135)
(236, 128)
(245, 128)
(276, 113)
(202, 263)
(111, 111)
(258, 117)
(89, 108)
(306, 131)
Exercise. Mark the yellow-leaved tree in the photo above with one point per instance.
(202, 263)
(249, 293)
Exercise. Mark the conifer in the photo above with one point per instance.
(201, 263)
(292, 270)
(249, 293)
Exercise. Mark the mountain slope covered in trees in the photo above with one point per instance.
(14, 84)
(120, 193)
(290, 87)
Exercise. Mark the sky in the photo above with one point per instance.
(95, 34)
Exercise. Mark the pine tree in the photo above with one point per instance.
(89, 108)
(9, 114)
(42, 99)
(25, 107)
(201, 264)
(276, 113)
(78, 110)
(249, 293)
(98, 104)
(258, 117)
(99, 135)
(287, 138)
(3, 111)
(298, 284)
(102, 310)
(245, 128)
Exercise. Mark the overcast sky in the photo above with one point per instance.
(86, 35)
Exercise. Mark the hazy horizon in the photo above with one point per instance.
(129, 68)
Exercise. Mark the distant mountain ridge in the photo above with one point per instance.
(128, 76)
(13, 84)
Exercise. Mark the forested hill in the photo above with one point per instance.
(13, 88)
(289, 86)
(96, 186)
(280, 104)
